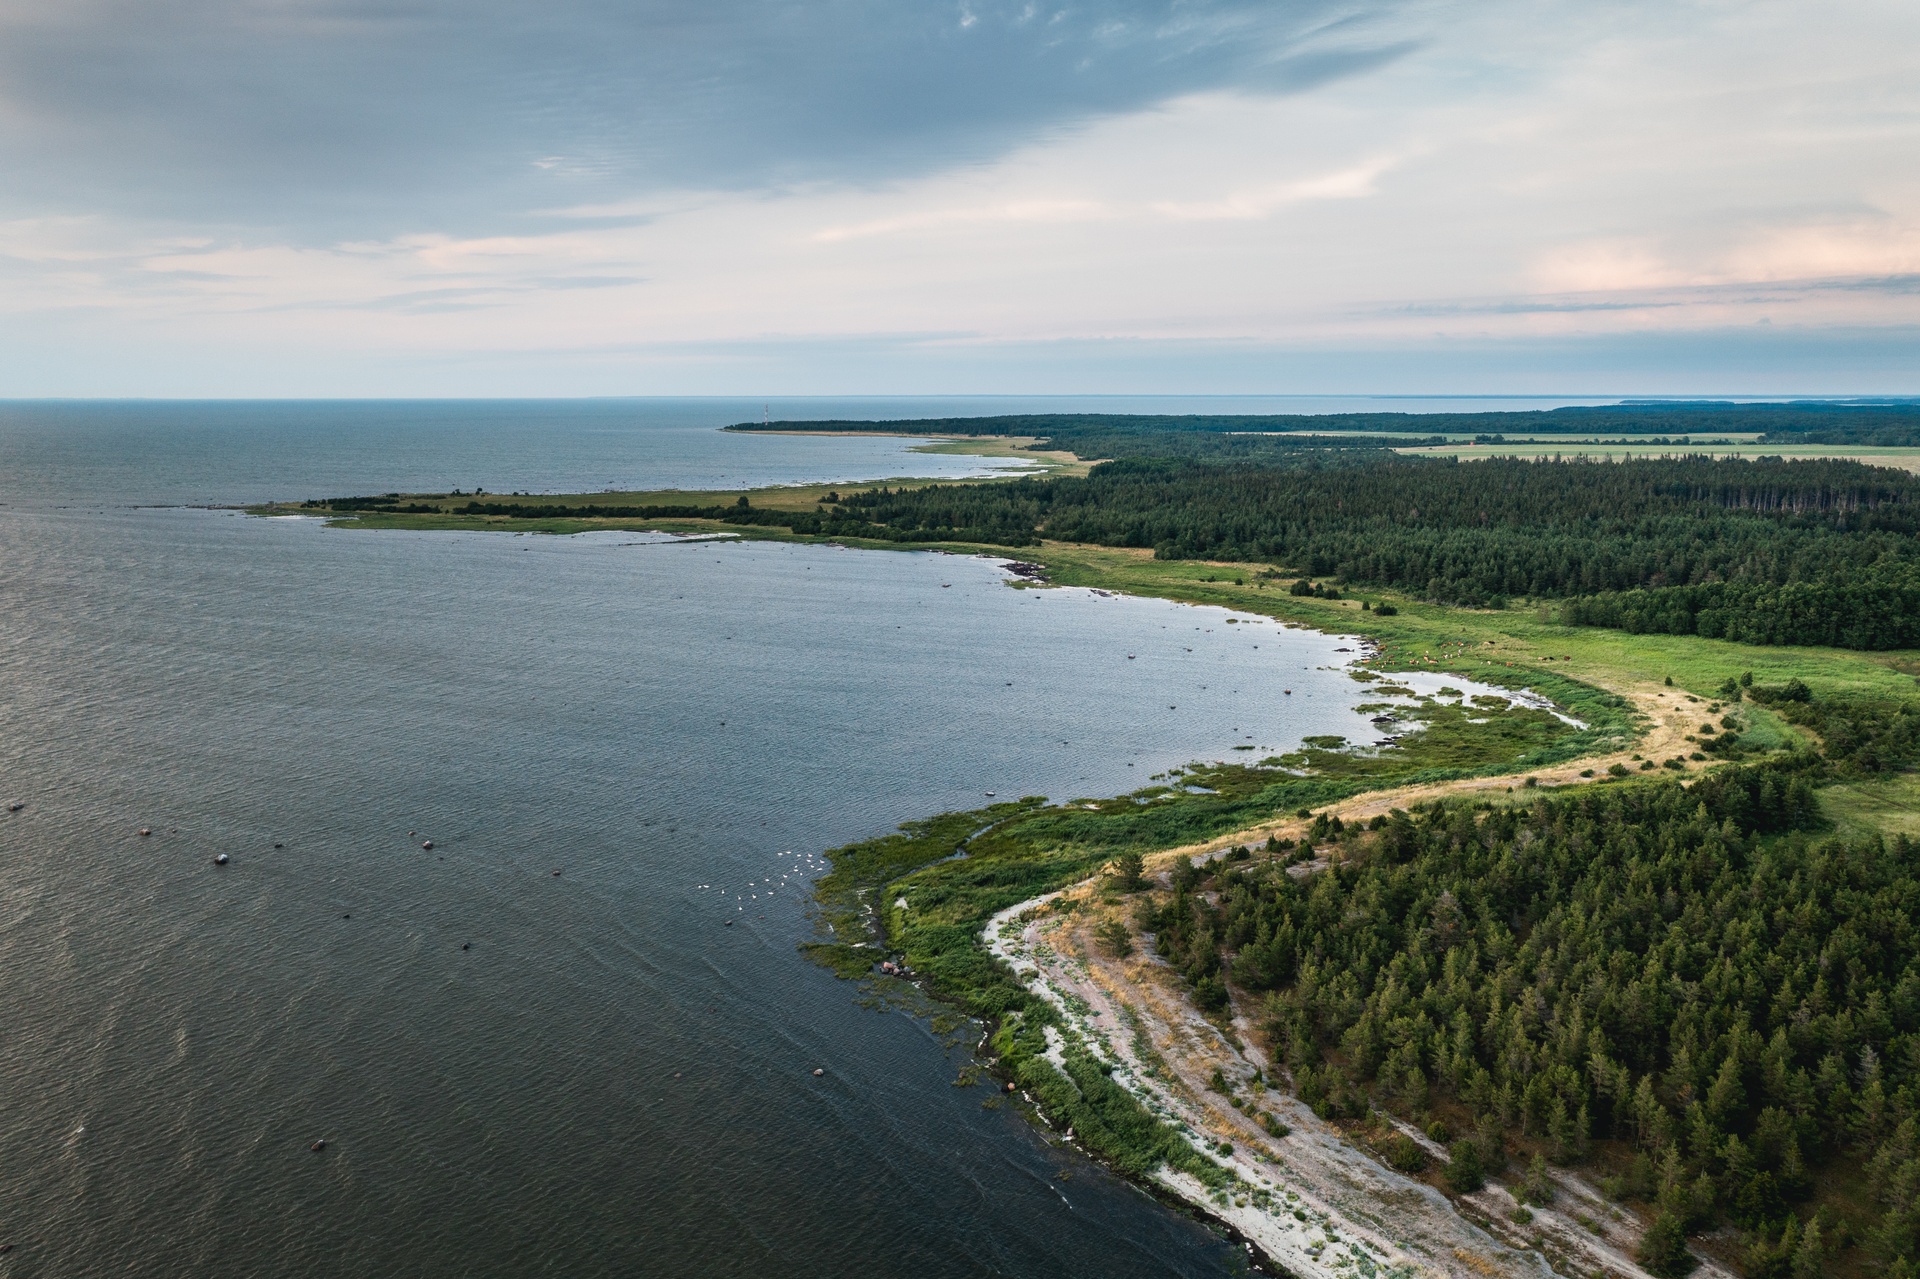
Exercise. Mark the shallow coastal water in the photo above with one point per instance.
(536, 1048)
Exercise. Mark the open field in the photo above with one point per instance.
(1885, 806)
(1484, 643)
(1522, 437)
(1616, 450)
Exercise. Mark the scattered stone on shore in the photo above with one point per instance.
(318, 1146)
(427, 844)
(220, 859)
(817, 1072)
(145, 831)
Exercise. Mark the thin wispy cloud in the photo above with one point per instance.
(1348, 184)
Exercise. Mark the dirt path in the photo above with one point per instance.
(1669, 716)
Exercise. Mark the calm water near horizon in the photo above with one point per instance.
(534, 1049)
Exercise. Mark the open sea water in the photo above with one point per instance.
(535, 1049)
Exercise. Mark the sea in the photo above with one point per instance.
(574, 1037)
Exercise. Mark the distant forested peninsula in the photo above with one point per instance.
(1117, 435)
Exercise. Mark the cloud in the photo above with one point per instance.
(1347, 184)
(1056, 211)
(347, 117)
(486, 189)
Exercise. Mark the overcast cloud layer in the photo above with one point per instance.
(313, 197)
(368, 117)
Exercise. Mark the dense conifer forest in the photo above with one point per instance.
(1729, 1005)
(1685, 984)
(1760, 551)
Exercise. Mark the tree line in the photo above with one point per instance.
(1761, 550)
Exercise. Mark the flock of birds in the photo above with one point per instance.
(802, 867)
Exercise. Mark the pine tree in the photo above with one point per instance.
(1464, 1175)
(1663, 1249)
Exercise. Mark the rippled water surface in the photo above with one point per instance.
(533, 1049)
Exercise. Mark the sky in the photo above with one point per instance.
(595, 197)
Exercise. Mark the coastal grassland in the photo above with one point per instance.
(440, 512)
(1609, 450)
(1516, 646)
(763, 513)
(1024, 448)
(1680, 440)
(1884, 805)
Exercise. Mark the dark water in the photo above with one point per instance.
(239, 451)
(520, 1072)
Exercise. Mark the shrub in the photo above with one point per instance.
(1405, 1155)
(1464, 1175)
(1537, 1188)
(1663, 1249)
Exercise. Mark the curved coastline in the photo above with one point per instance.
(1310, 1204)
(1641, 713)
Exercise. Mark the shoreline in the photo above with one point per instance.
(1311, 1204)
(1586, 1235)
